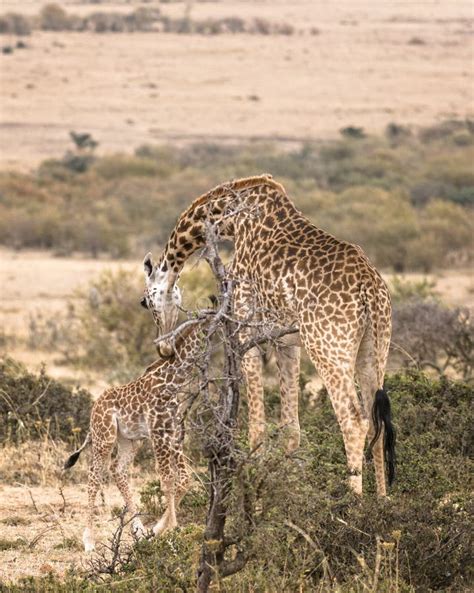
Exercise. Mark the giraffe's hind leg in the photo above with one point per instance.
(337, 372)
(288, 362)
(126, 450)
(101, 452)
(353, 421)
(367, 377)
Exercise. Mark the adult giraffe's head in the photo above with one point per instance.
(162, 299)
(223, 207)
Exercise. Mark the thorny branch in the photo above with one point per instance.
(222, 398)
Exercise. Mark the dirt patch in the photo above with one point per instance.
(44, 529)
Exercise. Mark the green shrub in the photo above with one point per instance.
(118, 166)
(425, 521)
(445, 231)
(402, 290)
(353, 132)
(111, 329)
(302, 530)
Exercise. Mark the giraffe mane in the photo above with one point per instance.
(238, 185)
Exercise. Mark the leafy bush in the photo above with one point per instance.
(111, 329)
(353, 132)
(309, 529)
(35, 406)
(430, 335)
(402, 290)
(108, 329)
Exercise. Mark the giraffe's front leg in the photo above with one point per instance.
(252, 371)
(288, 354)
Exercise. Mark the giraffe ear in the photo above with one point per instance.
(143, 303)
(148, 264)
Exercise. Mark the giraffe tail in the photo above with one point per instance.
(72, 459)
(382, 417)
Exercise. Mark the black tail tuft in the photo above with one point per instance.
(382, 416)
(72, 459)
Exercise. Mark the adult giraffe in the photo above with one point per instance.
(296, 274)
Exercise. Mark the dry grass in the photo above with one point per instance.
(43, 528)
(43, 509)
(359, 70)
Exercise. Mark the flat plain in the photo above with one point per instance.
(360, 63)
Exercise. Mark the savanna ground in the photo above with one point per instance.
(346, 63)
(174, 114)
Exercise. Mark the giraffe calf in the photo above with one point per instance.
(148, 407)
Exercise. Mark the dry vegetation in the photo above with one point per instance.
(320, 538)
(361, 69)
(152, 20)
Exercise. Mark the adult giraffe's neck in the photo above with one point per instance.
(216, 206)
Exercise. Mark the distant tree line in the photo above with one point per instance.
(406, 197)
(53, 17)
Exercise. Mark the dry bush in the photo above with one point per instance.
(109, 330)
(429, 335)
(406, 203)
(37, 407)
(54, 18)
(13, 23)
(40, 420)
(441, 131)
(39, 463)
(142, 19)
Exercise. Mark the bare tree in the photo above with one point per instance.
(222, 394)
